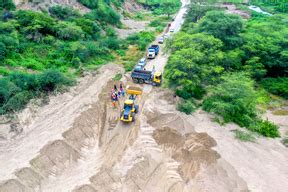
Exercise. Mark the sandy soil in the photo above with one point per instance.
(77, 143)
(131, 26)
(231, 8)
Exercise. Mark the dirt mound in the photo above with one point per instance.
(167, 136)
(191, 150)
(13, 185)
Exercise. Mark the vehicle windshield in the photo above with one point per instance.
(151, 50)
(158, 77)
(138, 67)
(126, 106)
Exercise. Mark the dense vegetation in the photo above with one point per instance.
(225, 62)
(38, 50)
(167, 7)
(276, 6)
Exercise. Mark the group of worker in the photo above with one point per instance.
(116, 94)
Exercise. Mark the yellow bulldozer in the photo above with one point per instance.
(130, 107)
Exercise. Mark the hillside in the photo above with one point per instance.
(38, 45)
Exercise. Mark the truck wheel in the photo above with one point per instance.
(136, 108)
(141, 81)
(133, 117)
(135, 80)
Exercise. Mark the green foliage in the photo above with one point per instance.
(272, 6)
(266, 43)
(265, 128)
(277, 86)
(244, 136)
(187, 106)
(193, 63)
(17, 89)
(234, 98)
(226, 27)
(141, 39)
(7, 5)
(103, 13)
(117, 77)
(162, 6)
(63, 13)
(68, 31)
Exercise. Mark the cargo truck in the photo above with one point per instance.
(149, 77)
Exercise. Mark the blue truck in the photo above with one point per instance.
(149, 77)
(153, 51)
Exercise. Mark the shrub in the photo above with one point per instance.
(141, 39)
(187, 106)
(234, 99)
(277, 86)
(52, 79)
(111, 43)
(244, 136)
(104, 14)
(7, 90)
(3, 51)
(265, 128)
(17, 102)
(89, 27)
(63, 13)
(68, 31)
(7, 4)
(196, 91)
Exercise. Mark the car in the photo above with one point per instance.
(166, 36)
(142, 61)
(138, 67)
(161, 40)
(171, 30)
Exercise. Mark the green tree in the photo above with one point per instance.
(226, 27)
(234, 98)
(7, 4)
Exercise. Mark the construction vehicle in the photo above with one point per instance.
(153, 51)
(149, 77)
(130, 108)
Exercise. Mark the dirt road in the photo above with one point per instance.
(76, 143)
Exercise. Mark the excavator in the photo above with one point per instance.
(130, 107)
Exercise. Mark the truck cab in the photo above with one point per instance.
(153, 51)
(157, 78)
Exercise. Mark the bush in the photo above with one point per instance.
(277, 86)
(63, 13)
(234, 99)
(187, 106)
(7, 4)
(68, 31)
(244, 136)
(141, 39)
(52, 79)
(17, 102)
(196, 91)
(111, 43)
(104, 14)
(265, 128)
(17, 89)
